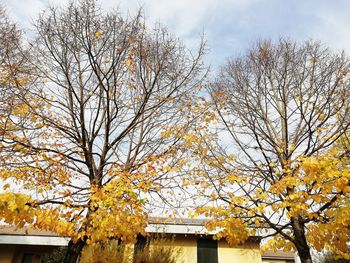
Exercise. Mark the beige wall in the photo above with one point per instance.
(188, 247)
(248, 253)
(6, 253)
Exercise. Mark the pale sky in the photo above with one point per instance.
(230, 26)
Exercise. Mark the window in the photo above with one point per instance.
(207, 250)
(27, 258)
(139, 246)
(140, 243)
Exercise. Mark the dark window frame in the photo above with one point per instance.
(207, 250)
(25, 259)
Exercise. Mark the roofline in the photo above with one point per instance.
(278, 257)
(33, 240)
(55, 240)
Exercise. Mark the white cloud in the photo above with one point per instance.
(24, 12)
(229, 25)
(334, 29)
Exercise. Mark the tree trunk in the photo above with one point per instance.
(304, 254)
(74, 251)
(300, 241)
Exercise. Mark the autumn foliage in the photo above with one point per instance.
(274, 161)
(85, 150)
(104, 118)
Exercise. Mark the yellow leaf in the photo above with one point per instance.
(98, 34)
(128, 62)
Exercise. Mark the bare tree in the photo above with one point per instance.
(107, 87)
(9, 42)
(278, 104)
(13, 69)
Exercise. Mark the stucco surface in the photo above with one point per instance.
(188, 248)
(248, 253)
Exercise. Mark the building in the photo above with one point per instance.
(278, 257)
(195, 242)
